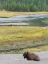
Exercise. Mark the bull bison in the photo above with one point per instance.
(31, 56)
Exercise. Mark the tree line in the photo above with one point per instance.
(24, 5)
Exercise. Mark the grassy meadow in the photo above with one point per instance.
(12, 37)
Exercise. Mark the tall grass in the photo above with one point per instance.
(22, 36)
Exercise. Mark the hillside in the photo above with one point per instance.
(24, 5)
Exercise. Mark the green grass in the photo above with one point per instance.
(22, 36)
(38, 49)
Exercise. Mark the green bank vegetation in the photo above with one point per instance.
(24, 5)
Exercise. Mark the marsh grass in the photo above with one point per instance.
(38, 49)
(12, 37)
(7, 14)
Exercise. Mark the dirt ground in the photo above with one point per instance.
(18, 58)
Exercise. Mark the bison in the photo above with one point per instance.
(31, 56)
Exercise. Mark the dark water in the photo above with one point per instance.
(31, 20)
(38, 22)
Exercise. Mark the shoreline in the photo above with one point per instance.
(8, 14)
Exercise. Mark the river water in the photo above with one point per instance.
(25, 20)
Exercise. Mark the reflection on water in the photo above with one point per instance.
(38, 22)
(31, 20)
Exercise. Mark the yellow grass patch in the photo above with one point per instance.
(10, 14)
(17, 33)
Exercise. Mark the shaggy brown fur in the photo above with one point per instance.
(31, 56)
